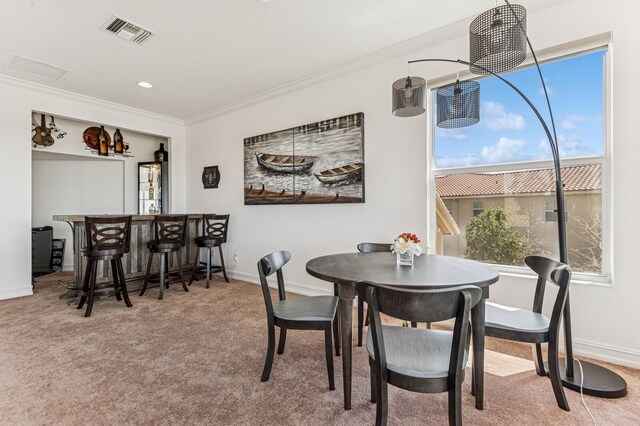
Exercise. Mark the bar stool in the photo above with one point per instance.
(214, 234)
(170, 233)
(108, 238)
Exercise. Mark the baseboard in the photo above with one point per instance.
(608, 353)
(303, 289)
(15, 292)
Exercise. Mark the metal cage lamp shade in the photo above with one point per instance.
(458, 104)
(408, 96)
(498, 39)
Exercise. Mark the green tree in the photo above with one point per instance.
(491, 237)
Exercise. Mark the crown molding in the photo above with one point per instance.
(13, 81)
(423, 41)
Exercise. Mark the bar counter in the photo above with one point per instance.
(134, 262)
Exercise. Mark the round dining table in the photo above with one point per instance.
(429, 271)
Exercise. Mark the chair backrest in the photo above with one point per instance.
(374, 247)
(268, 265)
(215, 226)
(556, 273)
(170, 229)
(423, 306)
(108, 235)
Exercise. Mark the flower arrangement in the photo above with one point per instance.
(405, 246)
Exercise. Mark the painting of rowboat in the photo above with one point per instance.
(321, 162)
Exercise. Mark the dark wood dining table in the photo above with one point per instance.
(345, 270)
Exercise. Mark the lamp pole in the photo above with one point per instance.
(593, 380)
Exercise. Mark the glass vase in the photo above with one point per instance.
(404, 259)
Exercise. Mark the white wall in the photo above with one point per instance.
(17, 100)
(61, 186)
(396, 174)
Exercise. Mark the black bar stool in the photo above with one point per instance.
(170, 233)
(108, 238)
(214, 234)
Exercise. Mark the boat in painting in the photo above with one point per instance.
(285, 163)
(342, 174)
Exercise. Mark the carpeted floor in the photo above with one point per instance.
(196, 358)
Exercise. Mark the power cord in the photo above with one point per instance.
(593, 419)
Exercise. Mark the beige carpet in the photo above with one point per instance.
(196, 358)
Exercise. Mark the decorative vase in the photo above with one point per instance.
(404, 259)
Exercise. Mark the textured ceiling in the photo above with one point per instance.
(210, 53)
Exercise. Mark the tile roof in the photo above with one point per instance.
(576, 178)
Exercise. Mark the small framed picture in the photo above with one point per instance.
(210, 177)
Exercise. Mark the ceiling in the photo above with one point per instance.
(208, 54)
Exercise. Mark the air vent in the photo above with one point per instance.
(127, 30)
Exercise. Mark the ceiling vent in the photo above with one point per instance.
(32, 66)
(127, 30)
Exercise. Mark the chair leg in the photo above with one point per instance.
(360, 319)
(382, 403)
(372, 377)
(195, 265)
(85, 284)
(473, 379)
(554, 375)
(414, 324)
(224, 270)
(271, 345)
(455, 404)
(336, 324)
(116, 280)
(336, 334)
(166, 269)
(208, 266)
(282, 341)
(184, 284)
(123, 285)
(162, 266)
(146, 277)
(92, 287)
(329, 355)
(538, 361)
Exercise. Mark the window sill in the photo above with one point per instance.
(577, 278)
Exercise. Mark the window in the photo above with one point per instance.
(505, 160)
(478, 207)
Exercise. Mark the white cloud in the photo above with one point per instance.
(456, 161)
(452, 134)
(550, 91)
(495, 118)
(505, 150)
(571, 146)
(570, 121)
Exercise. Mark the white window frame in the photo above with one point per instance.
(579, 47)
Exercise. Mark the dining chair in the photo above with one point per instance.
(304, 313)
(108, 238)
(367, 248)
(416, 359)
(214, 234)
(530, 326)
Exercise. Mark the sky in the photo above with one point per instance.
(509, 131)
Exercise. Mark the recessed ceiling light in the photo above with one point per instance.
(145, 84)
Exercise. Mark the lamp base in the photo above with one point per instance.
(598, 381)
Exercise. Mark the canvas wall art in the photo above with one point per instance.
(316, 163)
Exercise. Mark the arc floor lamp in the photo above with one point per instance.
(498, 42)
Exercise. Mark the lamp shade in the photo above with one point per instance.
(409, 96)
(458, 104)
(498, 39)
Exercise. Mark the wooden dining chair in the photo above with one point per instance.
(417, 359)
(304, 313)
(367, 248)
(530, 326)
